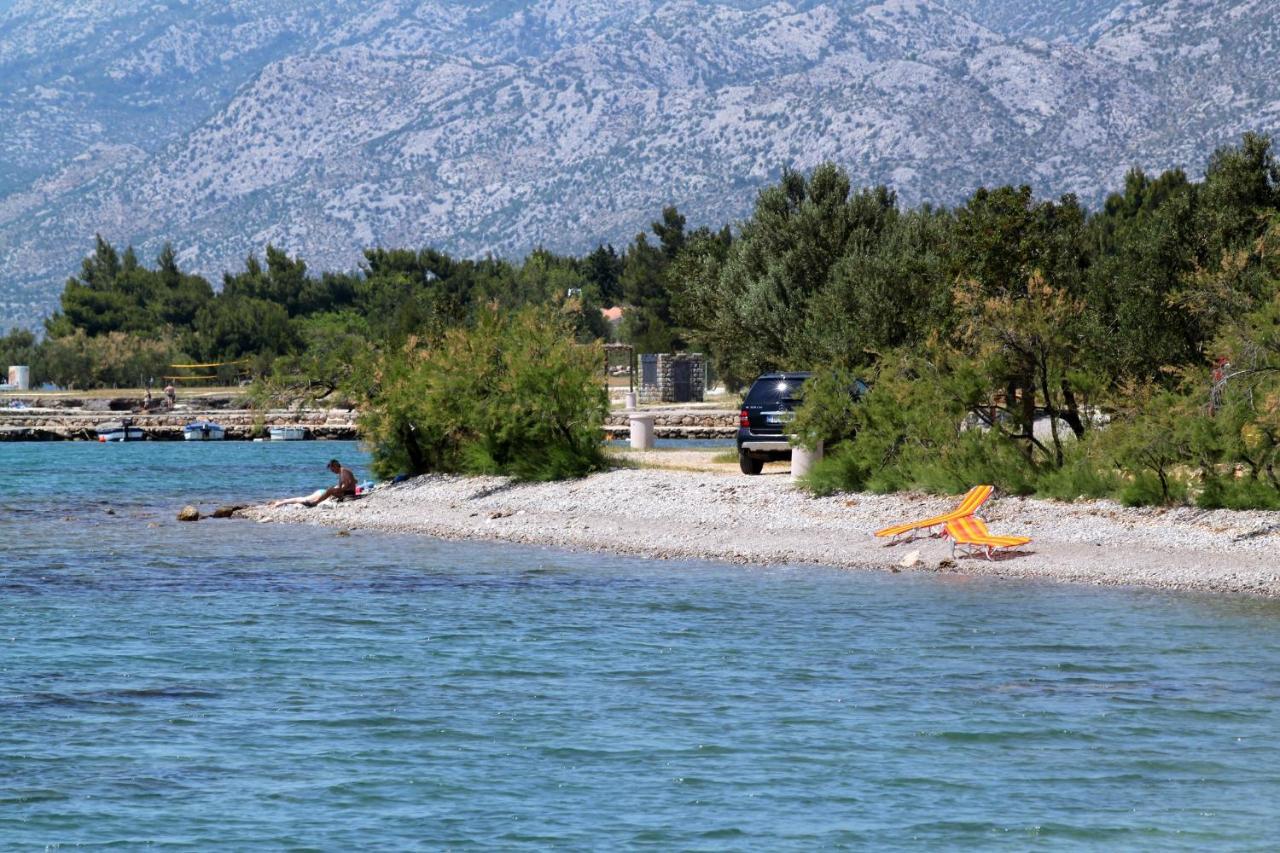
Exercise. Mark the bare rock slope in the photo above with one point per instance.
(498, 126)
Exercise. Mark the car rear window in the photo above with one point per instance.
(774, 392)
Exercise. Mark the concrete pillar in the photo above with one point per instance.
(802, 460)
(20, 377)
(641, 431)
(631, 400)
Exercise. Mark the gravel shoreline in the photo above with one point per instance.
(677, 514)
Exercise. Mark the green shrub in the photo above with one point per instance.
(828, 410)
(909, 433)
(976, 456)
(838, 471)
(1229, 492)
(110, 360)
(1083, 475)
(512, 395)
(1154, 441)
(1147, 489)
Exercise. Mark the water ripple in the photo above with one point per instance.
(228, 686)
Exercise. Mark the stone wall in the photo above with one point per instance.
(678, 424)
(664, 389)
(55, 424)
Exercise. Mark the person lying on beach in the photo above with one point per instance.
(346, 485)
(309, 500)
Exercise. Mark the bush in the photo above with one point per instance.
(977, 456)
(1230, 492)
(111, 360)
(513, 395)
(1155, 442)
(1084, 474)
(828, 409)
(909, 432)
(1147, 489)
(839, 471)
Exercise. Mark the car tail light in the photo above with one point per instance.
(743, 420)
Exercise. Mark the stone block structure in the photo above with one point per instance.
(679, 377)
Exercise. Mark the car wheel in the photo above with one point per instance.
(748, 464)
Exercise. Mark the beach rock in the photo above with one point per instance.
(911, 559)
(946, 564)
(188, 513)
(227, 511)
(677, 514)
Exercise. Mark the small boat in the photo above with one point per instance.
(203, 431)
(123, 431)
(287, 433)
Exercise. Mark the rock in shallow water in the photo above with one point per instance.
(188, 513)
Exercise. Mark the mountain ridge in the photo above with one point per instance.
(497, 127)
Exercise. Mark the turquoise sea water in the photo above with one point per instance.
(230, 685)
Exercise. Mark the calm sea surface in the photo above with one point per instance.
(226, 685)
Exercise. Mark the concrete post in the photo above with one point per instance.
(631, 400)
(641, 431)
(20, 377)
(802, 460)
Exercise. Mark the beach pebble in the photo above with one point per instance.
(682, 514)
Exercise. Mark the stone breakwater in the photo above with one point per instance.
(678, 423)
(72, 419)
(81, 424)
(673, 514)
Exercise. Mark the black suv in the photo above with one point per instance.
(762, 423)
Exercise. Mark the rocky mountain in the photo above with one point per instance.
(222, 125)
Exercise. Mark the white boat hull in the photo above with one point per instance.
(287, 433)
(122, 434)
(203, 432)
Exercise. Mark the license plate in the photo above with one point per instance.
(773, 419)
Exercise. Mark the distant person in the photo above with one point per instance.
(346, 485)
(170, 395)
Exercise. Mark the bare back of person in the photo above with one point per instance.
(346, 484)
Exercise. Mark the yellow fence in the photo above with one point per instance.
(242, 371)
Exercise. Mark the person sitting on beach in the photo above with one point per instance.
(346, 484)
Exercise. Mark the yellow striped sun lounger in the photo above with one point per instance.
(971, 532)
(973, 499)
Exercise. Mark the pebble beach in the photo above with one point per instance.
(674, 512)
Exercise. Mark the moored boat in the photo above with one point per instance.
(203, 431)
(123, 431)
(287, 433)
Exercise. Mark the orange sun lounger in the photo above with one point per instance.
(972, 532)
(973, 499)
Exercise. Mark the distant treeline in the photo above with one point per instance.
(121, 321)
(1003, 313)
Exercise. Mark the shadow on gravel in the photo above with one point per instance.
(492, 490)
(997, 557)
